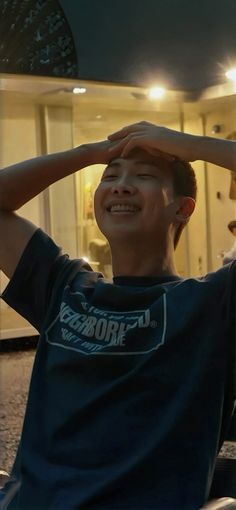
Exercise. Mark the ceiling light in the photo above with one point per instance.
(79, 90)
(231, 74)
(156, 92)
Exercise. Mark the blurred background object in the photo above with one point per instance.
(36, 39)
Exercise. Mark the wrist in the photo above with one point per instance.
(218, 151)
(201, 147)
(195, 146)
(81, 156)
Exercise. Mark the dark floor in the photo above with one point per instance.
(15, 371)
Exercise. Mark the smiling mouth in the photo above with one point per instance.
(122, 209)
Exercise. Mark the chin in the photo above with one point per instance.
(125, 235)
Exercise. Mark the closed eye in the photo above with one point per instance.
(107, 177)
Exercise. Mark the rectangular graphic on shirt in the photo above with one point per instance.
(93, 331)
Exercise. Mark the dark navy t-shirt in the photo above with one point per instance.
(127, 393)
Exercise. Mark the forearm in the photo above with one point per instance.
(220, 152)
(160, 140)
(21, 182)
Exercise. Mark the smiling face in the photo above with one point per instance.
(135, 199)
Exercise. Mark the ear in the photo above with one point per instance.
(186, 206)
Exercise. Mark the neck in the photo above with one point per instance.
(131, 260)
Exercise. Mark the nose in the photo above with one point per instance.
(123, 186)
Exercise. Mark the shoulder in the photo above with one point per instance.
(40, 278)
(215, 284)
(43, 258)
(223, 274)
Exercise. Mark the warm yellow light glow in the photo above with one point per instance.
(79, 90)
(156, 93)
(231, 74)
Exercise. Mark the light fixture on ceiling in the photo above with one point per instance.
(231, 74)
(156, 92)
(79, 90)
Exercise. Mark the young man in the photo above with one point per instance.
(127, 400)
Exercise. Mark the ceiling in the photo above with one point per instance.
(181, 44)
(116, 98)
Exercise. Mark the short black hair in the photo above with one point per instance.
(184, 184)
(184, 179)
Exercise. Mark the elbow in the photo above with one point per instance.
(6, 203)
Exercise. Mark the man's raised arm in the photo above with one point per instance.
(21, 182)
(160, 140)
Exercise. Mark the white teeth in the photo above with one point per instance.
(123, 207)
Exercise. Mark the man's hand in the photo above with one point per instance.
(157, 140)
(21, 182)
(99, 152)
(170, 144)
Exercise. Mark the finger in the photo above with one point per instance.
(160, 154)
(132, 144)
(167, 157)
(134, 140)
(117, 147)
(120, 144)
(125, 131)
(140, 142)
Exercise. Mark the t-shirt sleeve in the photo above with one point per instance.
(30, 287)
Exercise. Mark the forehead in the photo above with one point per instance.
(138, 159)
